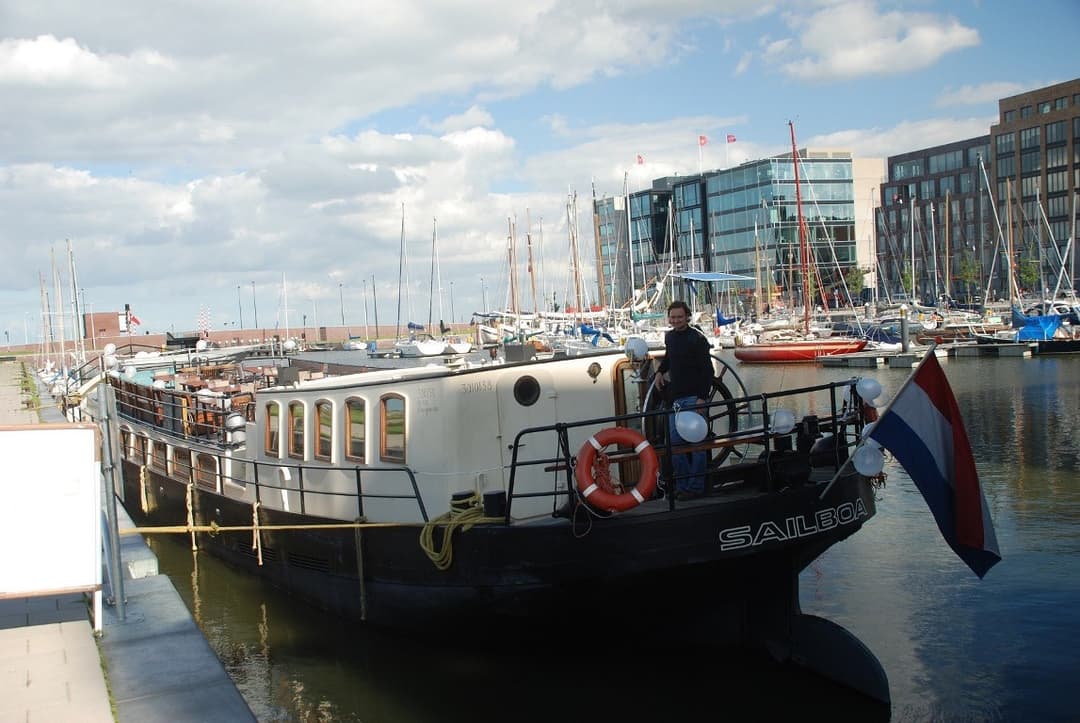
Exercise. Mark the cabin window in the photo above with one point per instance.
(138, 449)
(392, 443)
(355, 423)
(181, 464)
(324, 412)
(206, 472)
(273, 444)
(296, 430)
(158, 456)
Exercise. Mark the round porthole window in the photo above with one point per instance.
(526, 391)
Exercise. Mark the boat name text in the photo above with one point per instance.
(734, 538)
(484, 385)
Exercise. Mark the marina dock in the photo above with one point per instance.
(152, 665)
(907, 359)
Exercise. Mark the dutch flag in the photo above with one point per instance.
(924, 431)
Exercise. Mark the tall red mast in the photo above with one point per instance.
(804, 260)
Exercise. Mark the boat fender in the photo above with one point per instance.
(589, 485)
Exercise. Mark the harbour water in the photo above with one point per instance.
(955, 648)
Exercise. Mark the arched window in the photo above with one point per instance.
(273, 430)
(206, 472)
(392, 421)
(355, 429)
(137, 453)
(159, 456)
(324, 418)
(296, 430)
(181, 464)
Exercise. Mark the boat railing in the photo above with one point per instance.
(749, 426)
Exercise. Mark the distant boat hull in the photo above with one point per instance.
(786, 352)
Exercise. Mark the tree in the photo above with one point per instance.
(1028, 273)
(968, 271)
(856, 281)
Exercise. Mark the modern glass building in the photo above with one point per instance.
(743, 220)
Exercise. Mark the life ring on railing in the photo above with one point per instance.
(592, 488)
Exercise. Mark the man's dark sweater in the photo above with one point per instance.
(687, 358)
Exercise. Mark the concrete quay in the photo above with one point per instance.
(154, 665)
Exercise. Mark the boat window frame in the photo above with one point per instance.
(350, 404)
(177, 468)
(137, 451)
(200, 472)
(272, 437)
(385, 454)
(297, 434)
(320, 406)
(159, 456)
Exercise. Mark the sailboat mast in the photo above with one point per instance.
(532, 273)
(948, 279)
(933, 248)
(80, 343)
(629, 237)
(804, 261)
(1009, 242)
(510, 254)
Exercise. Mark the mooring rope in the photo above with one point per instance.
(463, 514)
(256, 536)
(143, 501)
(191, 515)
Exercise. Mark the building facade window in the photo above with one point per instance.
(1025, 111)
(1061, 103)
(1009, 116)
(1055, 132)
(1005, 143)
(1057, 157)
(1057, 181)
(355, 424)
(1029, 137)
(1030, 162)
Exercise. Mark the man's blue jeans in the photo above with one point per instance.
(689, 468)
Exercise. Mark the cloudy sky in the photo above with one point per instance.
(197, 153)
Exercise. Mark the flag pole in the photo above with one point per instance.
(929, 352)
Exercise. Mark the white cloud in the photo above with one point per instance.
(982, 93)
(854, 38)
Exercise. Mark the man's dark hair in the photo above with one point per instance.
(679, 305)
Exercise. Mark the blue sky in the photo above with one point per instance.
(191, 151)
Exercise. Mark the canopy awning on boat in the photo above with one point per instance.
(710, 276)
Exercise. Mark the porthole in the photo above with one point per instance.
(526, 391)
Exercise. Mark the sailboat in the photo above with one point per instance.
(417, 344)
(804, 347)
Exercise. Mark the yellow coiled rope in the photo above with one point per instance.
(463, 514)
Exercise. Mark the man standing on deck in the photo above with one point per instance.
(688, 367)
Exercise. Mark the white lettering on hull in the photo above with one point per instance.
(790, 528)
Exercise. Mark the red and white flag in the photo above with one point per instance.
(134, 320)
(730, 137)
(640, 160)
(702, 140)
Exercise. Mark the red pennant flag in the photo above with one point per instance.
(640, 160)
(702, 140)
(730, 137)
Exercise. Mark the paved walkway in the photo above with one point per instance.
(156, 661)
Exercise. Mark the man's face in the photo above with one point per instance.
(677, 318)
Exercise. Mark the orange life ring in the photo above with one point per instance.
(589, 486)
